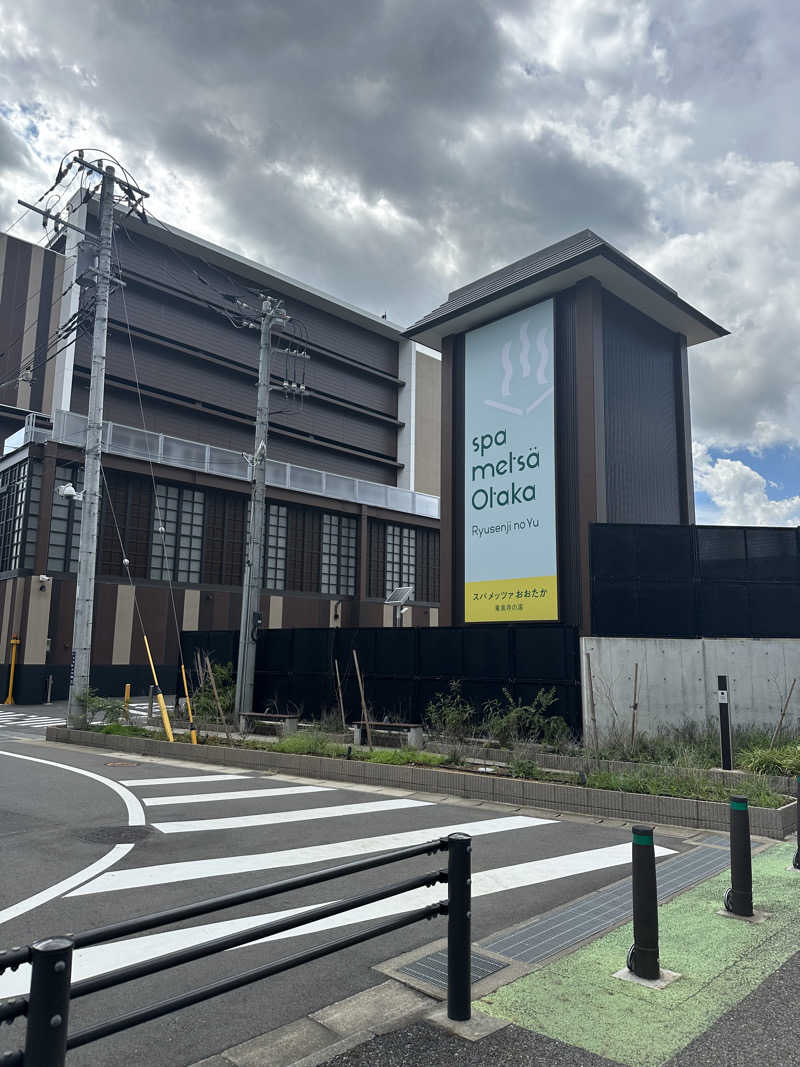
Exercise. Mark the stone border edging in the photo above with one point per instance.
(604, 803)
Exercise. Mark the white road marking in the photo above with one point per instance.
(135, 809)
(103, 958)
(135, 818)
(279, 817)
(185, 778)
(241, 794)
(116, 853)
(169, 873)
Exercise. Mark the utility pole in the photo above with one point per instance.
(272, 314)
(87, 551)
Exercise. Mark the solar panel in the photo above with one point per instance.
(400, 595)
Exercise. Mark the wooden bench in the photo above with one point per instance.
(285, 724)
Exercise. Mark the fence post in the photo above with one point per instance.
(48, 1009)
(739, 898)
(643, 955)
(796, 860)
(459, 925)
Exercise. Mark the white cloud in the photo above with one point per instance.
(738, 494)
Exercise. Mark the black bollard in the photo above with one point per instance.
(48, 1010)
(739, 898)
(643, 955)
(796, 860)
(459, 927)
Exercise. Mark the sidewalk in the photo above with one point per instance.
(734, 1004)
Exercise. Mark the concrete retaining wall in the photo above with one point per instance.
(604, 803)
(678, 681)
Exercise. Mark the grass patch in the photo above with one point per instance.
(784, 760)
(122, 730)
(691, 786)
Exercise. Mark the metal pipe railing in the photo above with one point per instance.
(47, 1007)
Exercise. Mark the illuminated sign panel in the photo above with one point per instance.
(510, 563)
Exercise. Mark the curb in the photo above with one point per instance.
(776, 823)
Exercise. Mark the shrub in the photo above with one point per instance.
(451, 716)
(524, 768)
(204, 704)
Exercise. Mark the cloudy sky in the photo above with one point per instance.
(388, 151)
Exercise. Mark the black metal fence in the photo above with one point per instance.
(695, 581)
(404, 668)
(47, 1006)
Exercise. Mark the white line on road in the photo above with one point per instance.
(116, 853)
(168, 873)
(103, 958)
(185, 778)
(279, 817)
(241, 794)
(135, 818)
(135, 809)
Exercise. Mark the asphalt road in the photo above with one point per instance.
(258, 828)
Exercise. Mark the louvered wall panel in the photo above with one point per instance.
(641, 435)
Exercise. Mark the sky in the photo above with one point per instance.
(388, 151)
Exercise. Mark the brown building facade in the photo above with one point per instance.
(352, 470)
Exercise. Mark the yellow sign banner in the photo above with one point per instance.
(512, 600)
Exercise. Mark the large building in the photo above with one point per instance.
(352, 472)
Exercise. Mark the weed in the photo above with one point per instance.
(697, 786)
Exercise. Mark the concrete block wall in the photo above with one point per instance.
(678, 680)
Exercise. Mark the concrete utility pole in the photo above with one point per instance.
(87, 551)
(272, 314)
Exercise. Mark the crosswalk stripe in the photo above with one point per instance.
(271, 818)
(185, 871)
(100, 959)
(241, 794)
(185, 778)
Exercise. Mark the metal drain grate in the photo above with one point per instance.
(609, 907)
(433, 968)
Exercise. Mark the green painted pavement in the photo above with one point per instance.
(721, 960)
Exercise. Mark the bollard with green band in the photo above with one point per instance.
(739, 898)
(796, 860)
(643, 955)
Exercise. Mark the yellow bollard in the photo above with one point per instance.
(10, 698)
(159, 695)
(192, 727)
(127, 699)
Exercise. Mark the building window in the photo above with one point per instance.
(303, 549)
(403, 555)
(177, 545)
(13, 493)
(401, 558)
(126, 518)
(65, 520)
(223, 555)
(275, 555)
(338, 575)
(33, 509)
(428, 569)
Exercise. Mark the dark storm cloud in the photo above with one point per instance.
(389, 150)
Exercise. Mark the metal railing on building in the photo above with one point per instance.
(46, 1008)
(69, 428)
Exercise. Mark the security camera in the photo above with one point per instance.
(43, 578)
(67, 491)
